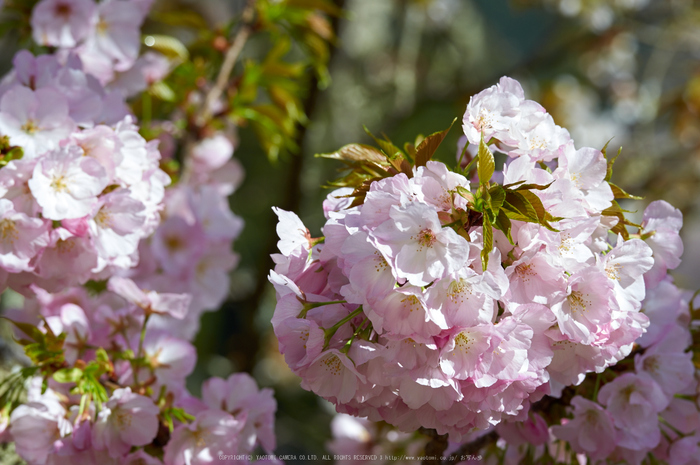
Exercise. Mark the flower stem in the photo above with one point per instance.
(311, 305)
(332, 330)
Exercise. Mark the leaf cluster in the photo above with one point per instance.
(367, 164)
(285, 39)
(618, 193)
(9, 152)
(490, 205)
(498, 205)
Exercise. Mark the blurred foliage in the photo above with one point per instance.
(277, 43)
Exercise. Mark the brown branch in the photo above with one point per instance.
(472, 448)
(232, 54)
(435, 448)
(291, 202)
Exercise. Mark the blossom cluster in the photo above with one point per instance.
(405, 312)
(87, 187)
(105, 35)
(645, 406)
(55, 426)
(115, 268)
(191, 249)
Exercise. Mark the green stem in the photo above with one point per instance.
(146, 111)
(468, 168)
(461, 157)
(311, 305)
(139, 354)
(354, 335)
(662, 420)
(332, 330)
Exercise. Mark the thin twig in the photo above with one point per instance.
(230, 59)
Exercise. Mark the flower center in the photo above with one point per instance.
(566, 243)
(30, 126)
(8, 230)
(102, 26)
(524, 271)
(58, 183)
(484, 121)
(426, 238)
(122, 418)
(463, 343)
(576, 179)
(332, 364)
(380, 263)
(577, 302)
(64, 246)
(538, 143)
(592, 418)
(63, 10)
(103, 219)
(199, 439)
(174, 243)
(651, 364)
(411, 303)
(613, 271)
(457, 290)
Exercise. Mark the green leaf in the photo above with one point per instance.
(620, 193)
(486, 164)
(498, 196)
(488, 242)
(528, 187)
(390, 149)
(162, 91)
(14, 153)
(410, 150)
(394, 155)
(168, 46)
(28, 329)
(183, 18)
(427, 148)
(321, 5)
(503, 223)
(464, 192)
(622, 223)
(536, 204)
(611, 162)
(101, 355)
(517, 203)
(356, 153)
(68, 375)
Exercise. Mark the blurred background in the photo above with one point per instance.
(627, 71)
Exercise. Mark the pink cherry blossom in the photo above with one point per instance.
(663, 222)
(213, 433)
(126, 420)
(62, 23)
(36, 427)
(239, 395)
(175, 305)
(591, 431)
(417, 246)
(35, 120)
(66, 184)
(493, 111)
(589, 303)
(633, 402)
(21, 238)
